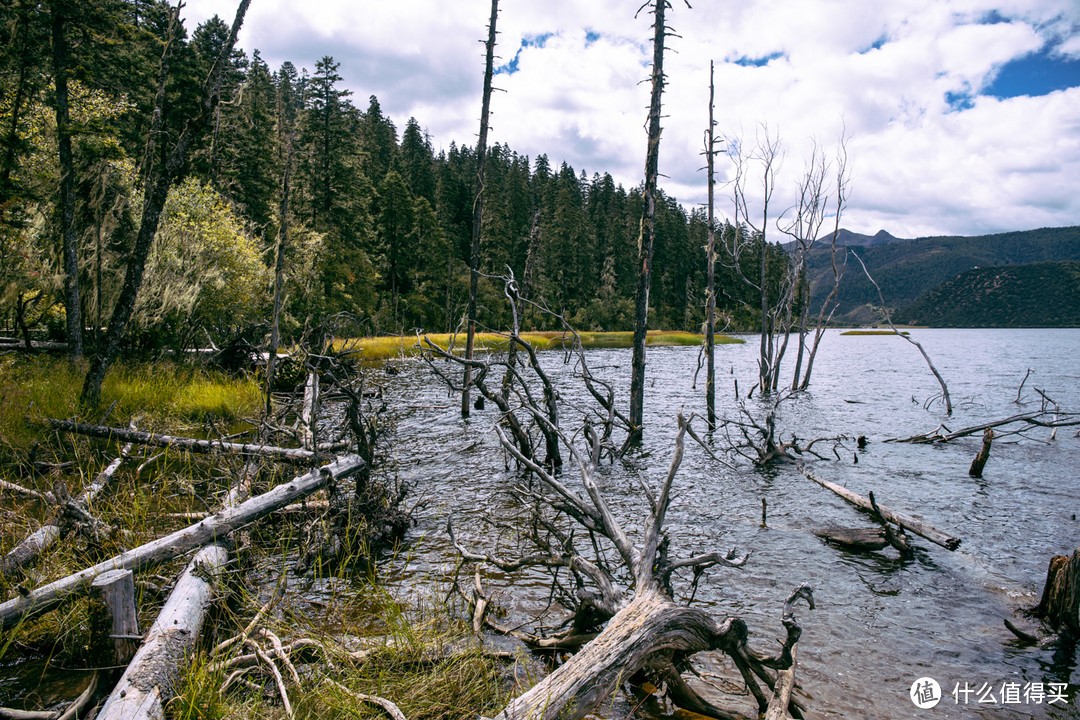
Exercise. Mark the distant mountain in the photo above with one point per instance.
(1036, 295)
(848, 238)
(908, 269)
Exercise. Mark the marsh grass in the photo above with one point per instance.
(386, 347)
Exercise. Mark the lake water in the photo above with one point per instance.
(881, 622)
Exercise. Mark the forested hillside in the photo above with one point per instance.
(379, 222)
(907, 269)
(1035, 295)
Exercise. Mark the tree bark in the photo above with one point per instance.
(478, 205)
(1060, 603)
(159, 180)
(72, 308)
(710, 269)
(979, 462)
(149, 681)
(647, 232)
(195, 445)
(117, 593)
(206, 531)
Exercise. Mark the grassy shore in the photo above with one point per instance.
(384, 347)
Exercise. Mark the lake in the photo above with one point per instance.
(881, 622)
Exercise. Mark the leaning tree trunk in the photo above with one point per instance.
(279, 271)
(647, 234)
(159, 179)
(478, 205)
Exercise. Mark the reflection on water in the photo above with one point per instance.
(881, 622)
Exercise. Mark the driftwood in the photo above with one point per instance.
(646, 631)
(190, 444)
(1035, 418)
(46, 536)
(855, 538)
(905, 521)
(182, 541)
(979, 462)
(148, 683)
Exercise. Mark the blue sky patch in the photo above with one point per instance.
(591, 37)
(877, 44)
(1035, 74)
(758, 61)
(958, 101)
(528, 41)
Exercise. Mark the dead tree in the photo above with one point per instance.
(710, 268)
(647, 234)
(828, 307)
(623, 631)
(478, 205)
(888, 318)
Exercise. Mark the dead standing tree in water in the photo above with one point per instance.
(623, 632)
(647, 233)
(478, 206)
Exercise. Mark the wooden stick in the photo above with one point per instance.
(949, 542)
(182, 541)
(147, 683)
(183, 443)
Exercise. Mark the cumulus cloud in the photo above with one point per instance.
(906, 81)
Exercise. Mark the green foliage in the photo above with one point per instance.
(204, 269)
(1032, 295)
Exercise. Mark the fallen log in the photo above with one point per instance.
(46, 536)
(905, 521)
(149, 681)
(855, 538)
(182, 541)
(1036, 418)
(183, 443)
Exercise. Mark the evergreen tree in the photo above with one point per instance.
(417, 162)
(378, 141)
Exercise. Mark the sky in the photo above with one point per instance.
(959, 117)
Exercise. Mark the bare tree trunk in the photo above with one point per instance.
(159, 180)
(710, 270)
(72, 308)
(279, 270)
(1060, 603)
(647, 234)
(478, 205)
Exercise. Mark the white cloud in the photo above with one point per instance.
(880, 70)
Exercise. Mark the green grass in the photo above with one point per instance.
(33, 388)
(385, 347)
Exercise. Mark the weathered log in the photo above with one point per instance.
(46, 536)
(1060, 603)
(856, 538)
(984, 454)
(183, 443)
(785, 683)
(26, 492)
(149, 681)
(116, 589)
(907, 522)
(182, 541)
